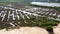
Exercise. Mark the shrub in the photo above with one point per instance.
(49, 28)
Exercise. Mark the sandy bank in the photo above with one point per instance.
(56, 29)
(25, 30)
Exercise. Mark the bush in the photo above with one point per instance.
(49, 28)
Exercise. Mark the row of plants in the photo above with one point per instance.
(43, 22)
(39, 21)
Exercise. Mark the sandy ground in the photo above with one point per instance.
(56, 29)
(25, 30)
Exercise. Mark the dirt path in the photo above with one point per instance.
(56, 29)
(25, 30)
